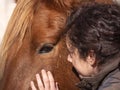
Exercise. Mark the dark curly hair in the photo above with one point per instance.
(95, 27)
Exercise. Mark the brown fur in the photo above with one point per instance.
(34, 24)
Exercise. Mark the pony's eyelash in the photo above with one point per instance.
(45, 49)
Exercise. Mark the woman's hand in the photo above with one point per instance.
(48, 81)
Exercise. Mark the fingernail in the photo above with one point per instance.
(43, 70)
(57, 84)
(37, 75)
(31, 82)
(49, 72)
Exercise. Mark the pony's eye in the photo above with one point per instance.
(46, 48)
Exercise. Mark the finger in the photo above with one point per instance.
(32, 85)
(51, 79)
(57, 88)
(39, 82)
(45, 80)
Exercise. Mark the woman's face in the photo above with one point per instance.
(83, 66)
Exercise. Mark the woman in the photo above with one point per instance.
(93, 41)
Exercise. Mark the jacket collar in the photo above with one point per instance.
(92, 83)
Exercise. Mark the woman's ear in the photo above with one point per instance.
(91, 59)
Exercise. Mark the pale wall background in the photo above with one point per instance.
(6, 9)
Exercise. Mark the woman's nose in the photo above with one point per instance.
(69, 58)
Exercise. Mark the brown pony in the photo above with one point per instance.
(34, 41)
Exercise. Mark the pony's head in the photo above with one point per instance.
(33, 41)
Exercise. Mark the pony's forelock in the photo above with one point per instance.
(16, 29)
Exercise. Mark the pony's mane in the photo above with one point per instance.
(65, 5)
(16, 29)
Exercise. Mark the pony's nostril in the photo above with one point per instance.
(46, 48)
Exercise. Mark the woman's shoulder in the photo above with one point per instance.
(112, 81)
